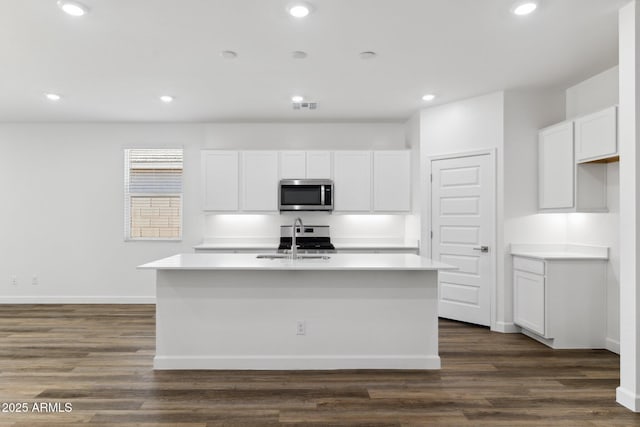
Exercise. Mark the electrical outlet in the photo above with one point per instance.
(14, 280)
(34, 280)
(301, 327)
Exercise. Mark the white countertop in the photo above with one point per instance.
(203, 261)
(561, 251)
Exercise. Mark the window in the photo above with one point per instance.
(153, 194)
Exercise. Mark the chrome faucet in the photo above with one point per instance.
(294, 243)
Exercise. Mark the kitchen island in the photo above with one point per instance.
(344, 311)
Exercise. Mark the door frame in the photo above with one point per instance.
(427, 222)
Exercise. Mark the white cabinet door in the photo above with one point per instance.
(556, 167)
(219, 180)
(260, 181)
(352, 179)
(293, 165)
(319, 164)
(528, 301)
(597, 135)
(392, 181)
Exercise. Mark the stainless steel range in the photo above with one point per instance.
(310, 238)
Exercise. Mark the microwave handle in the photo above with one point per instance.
(322, 195)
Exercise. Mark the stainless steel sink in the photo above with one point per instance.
(286, 256)
(274, 256)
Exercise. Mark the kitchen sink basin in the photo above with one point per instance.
(286, 256)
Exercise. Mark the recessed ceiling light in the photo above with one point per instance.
(299, 10)
(368, 54)
(298, 54)
(166, 99)
(297, 98)
(524, 8)
(429, 97)
(73, 8)
(53, 96)
(229, 54)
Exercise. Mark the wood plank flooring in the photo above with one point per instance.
(99, 359)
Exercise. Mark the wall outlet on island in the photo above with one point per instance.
(301, 327)
(34, 280)
(14, 280)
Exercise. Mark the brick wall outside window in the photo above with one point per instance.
(155, 217)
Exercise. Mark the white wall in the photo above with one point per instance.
(62, 216)
(594, 94)
(62, 187)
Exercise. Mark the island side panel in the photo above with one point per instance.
(222, 319)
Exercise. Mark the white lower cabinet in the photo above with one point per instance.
(561, 302)
(528, 310)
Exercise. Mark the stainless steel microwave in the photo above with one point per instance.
(306, 195)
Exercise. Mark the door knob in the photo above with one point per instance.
(483, 249)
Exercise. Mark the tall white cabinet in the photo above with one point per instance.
(556, 173)
(260, 181)
(352, 181)
(220, 180)
(391, 181)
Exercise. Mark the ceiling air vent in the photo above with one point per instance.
(304, 105)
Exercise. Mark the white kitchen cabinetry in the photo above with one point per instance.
(564, 186)
(259, 181)
(392, 181)
(319, 164)
(305, 164)
(352, 179)
(560, 302)
(219, 180)
(293, 165)
(597, 135)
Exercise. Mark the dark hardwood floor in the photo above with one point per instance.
(98, 358)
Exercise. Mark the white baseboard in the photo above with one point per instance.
(612, 345)
(628, 399)
(296, 362)
(76, 300)
(506, 328)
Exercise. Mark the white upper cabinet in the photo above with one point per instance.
(352, 179)
(563, 185)
(556, 167)
(219, 180)
(259, 181)
(293, 165)
(597, 135)
(392, 181)
(305, 164)
(319, 164)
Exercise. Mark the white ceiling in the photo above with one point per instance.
(112, 64)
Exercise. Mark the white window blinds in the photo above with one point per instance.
(153, 194)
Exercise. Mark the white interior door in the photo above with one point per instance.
(462, 221)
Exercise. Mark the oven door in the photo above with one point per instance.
(302, 195)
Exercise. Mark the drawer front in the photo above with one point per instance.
(534, 266)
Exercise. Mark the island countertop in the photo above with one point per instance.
(233, 261)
